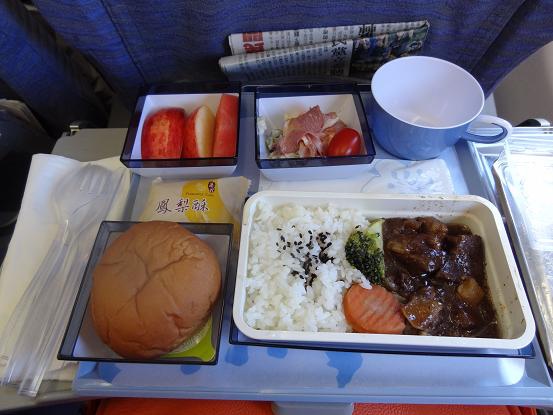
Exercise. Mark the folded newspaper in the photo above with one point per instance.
(355, 51)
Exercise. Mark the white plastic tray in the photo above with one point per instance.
(508, 296)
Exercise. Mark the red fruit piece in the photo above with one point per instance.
(198, 134)
(162, 134)
(226, 127)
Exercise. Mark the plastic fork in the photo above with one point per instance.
(66, 198)
(89, 193)
(80, 241)
(81, 202)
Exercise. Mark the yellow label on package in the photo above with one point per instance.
(200, 201)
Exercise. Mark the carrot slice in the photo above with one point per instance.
(372, 311)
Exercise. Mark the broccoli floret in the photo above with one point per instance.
(363, 252)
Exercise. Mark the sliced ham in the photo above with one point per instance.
(311, 121)
(309, 133)
(330, 132)
(315, 145)
(311, 145)
(330, 119)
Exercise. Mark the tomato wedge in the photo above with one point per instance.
(346, 142)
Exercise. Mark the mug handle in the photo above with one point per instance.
(505, 126)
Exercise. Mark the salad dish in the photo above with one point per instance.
(311, 135)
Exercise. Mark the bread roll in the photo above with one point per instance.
(154, 287)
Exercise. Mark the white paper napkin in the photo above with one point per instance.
(35, 230)
(383, 176)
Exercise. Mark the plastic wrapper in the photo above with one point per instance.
(525, 178)
(199, 201)
(531, 166)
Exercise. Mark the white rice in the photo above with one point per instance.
(277, 298)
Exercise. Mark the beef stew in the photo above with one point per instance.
(437, 271)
